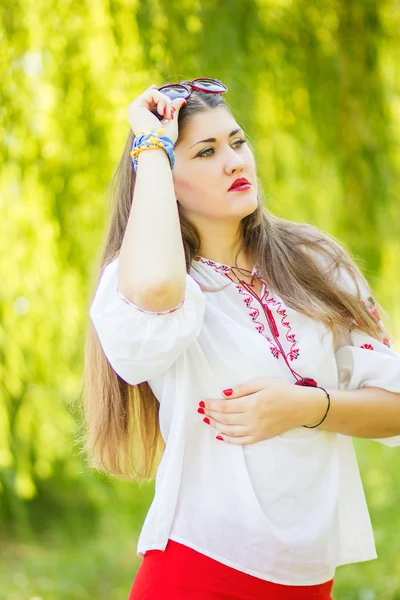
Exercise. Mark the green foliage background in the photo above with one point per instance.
(316, 87)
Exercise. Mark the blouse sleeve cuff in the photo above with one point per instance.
(148, 312)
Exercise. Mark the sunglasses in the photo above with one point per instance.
(181, 89)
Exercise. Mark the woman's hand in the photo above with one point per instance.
(261, 409)
(141, 118)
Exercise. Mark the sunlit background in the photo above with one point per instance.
(316, 87)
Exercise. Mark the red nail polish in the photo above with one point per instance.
(206, 420)
(228, 392)
(218, 437)
(201, 403)
(200, 410)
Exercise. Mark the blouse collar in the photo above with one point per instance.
(221, 266)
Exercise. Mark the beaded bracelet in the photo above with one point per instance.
(146, 140)
(327, 410)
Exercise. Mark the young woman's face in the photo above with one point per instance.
(204, 171)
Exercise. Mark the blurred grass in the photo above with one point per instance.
(56, 569)
(87, 563)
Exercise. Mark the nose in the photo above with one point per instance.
(235, 163)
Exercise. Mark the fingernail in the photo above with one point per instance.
(218, 437)
(228, 392)
(201, 403)
(206, 420)
(183, 103)
(200, 410)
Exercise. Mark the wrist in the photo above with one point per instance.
(313, 406)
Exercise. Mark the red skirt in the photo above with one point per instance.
(180, 573)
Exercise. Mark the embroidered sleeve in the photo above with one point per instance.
(141, 344)
(364, 361)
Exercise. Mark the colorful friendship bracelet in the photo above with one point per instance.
(148, 139)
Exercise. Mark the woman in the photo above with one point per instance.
(248, 349)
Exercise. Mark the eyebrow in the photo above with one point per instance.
(214, 139)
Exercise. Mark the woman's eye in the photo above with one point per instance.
(203, 153)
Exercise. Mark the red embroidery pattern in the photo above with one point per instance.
(265, 300)
(367, 347)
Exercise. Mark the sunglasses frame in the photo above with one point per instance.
(195, 87)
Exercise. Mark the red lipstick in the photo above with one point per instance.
(240, 184)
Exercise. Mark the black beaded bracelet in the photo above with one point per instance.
(327, 410)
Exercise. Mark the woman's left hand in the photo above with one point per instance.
(258, 410)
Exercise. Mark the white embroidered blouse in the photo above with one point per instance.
(289, 509)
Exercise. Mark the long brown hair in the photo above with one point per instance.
(122, 435)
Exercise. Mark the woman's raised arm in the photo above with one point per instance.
(152, 265)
